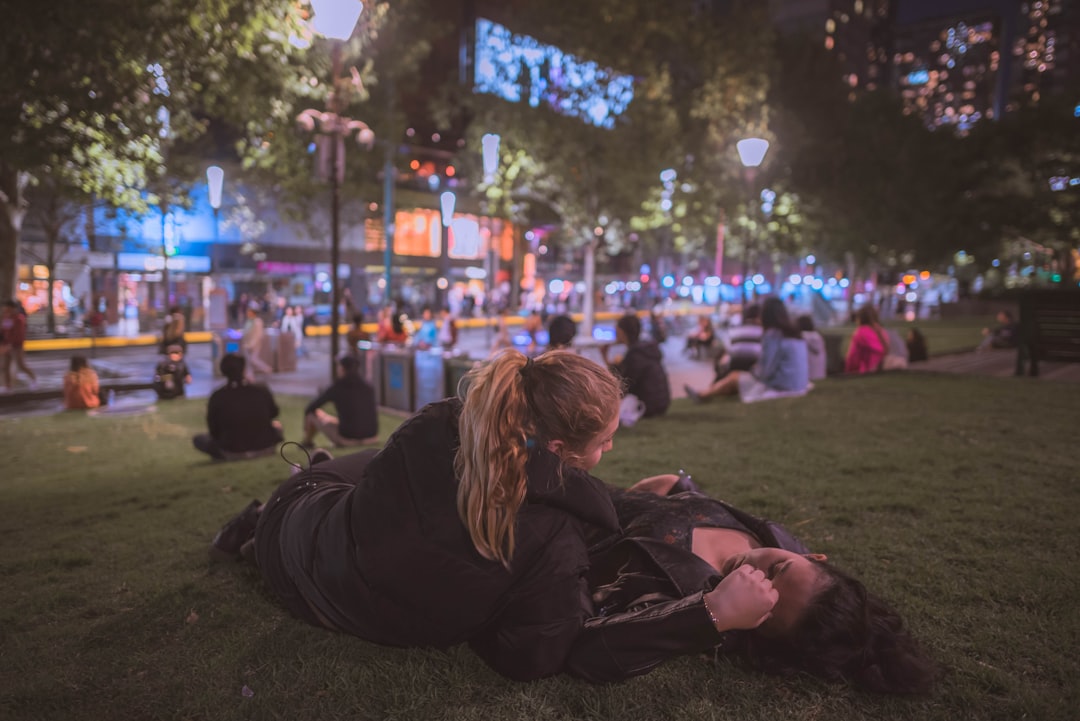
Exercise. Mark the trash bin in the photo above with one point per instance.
(226, 341)
(285, 356)
(456, 368)
(370, 367)
(429, 380)
(268, 349)
(396, 375)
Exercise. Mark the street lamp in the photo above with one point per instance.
(336, 20)
(446, 208)
(667, 179)
(215, 178)
(490, 147)
(751, 154)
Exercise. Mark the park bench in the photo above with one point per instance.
(1049, 328)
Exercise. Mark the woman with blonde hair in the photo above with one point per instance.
(467, 526)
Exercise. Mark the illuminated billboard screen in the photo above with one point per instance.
(519, 68)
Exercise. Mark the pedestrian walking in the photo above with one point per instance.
(12, 338)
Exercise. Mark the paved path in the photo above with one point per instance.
(311, 375)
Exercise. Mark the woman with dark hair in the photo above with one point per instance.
(357, 419)
(782, 370)
(676, 541)
(642, 366)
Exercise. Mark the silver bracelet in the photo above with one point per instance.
(712, 616)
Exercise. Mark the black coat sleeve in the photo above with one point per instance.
(536, 628)
(623, 645)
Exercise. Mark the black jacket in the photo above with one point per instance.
(239, 417)
(379, 551)
(649, 605)
(642, 369)
(354, 401)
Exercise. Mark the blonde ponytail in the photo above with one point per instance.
(513, 403)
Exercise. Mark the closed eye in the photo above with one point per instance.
(776, 569)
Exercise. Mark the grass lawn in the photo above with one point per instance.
(955, 498)
(943, 336)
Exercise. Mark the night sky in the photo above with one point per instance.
(912, 11)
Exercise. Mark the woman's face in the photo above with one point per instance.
(592, 453)
(796, 578)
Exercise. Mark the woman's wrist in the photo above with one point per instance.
(712, 616)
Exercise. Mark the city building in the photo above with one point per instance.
(857, 32)
(1045, 54)
(948, 71)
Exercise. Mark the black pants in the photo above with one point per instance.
(203, 442)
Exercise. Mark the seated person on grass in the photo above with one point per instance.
(357, 419)
(742, 348)
(171, 374)
(1003, 335)
(677, 543)
(783, 369)
(642, 368)
(82, 389)
(240, 417)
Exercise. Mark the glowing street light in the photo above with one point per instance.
(751, 155)
(215, 179)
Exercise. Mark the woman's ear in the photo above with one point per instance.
(817, 557)
(555, 447)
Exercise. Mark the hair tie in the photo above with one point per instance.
(527, 367)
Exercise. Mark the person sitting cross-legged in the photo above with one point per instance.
(357, 420)
(240, 417)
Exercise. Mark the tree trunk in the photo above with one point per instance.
(12, 212)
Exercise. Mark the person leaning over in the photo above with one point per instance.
(240, 417)
(357, 419)
(470, 525)
(642, 367)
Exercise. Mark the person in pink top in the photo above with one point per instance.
(869, 343)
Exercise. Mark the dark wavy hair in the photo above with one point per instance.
(774, 315)
(847, 633)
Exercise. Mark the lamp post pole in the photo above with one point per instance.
(337, 166)
(751, 154)
(490, 150)
(336, 20)
(446, 211)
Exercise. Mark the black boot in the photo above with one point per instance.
(232, 536)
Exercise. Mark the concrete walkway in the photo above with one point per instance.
(136, 365)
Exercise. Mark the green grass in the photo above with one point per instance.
(954, 498)
(943, 336)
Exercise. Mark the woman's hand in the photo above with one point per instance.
(743, 600)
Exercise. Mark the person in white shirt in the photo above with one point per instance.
(815, 348)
